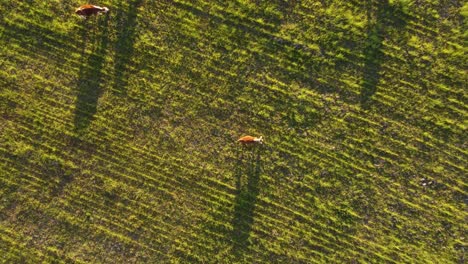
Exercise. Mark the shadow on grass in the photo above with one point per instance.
(386, 15)
(288, 59)
(91, 76)
(247, 175)
(38, 39)
(126, 36)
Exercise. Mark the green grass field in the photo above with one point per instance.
(118, 133)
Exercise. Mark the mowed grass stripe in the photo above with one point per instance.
(121, 228)
(292, 66)
(19, 24)
(59, 215)
(114, 157)
(14, 249)
(24, 179)
(158, 229)
(384, 182)
(19, 245)
(207, 245)
(203, 176)
(57, 120)
(427, 208)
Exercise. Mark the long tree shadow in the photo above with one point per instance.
(386, 15)
(126, 36)
(91, 75)
(247, 175)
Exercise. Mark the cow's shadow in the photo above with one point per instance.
(126, 19)
(386, 16)
(247, 173)
(91, 74)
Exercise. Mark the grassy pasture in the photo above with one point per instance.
(117, 133)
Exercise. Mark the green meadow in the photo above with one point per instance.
(118, 132)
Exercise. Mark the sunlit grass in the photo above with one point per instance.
(118, 133)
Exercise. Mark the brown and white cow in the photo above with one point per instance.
(86, 11)
(248, 140)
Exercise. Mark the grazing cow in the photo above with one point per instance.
(251, 140)
(86, 11)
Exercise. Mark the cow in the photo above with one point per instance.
(249, 140)
(86, 11)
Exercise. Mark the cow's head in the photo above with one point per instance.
(259, 140)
